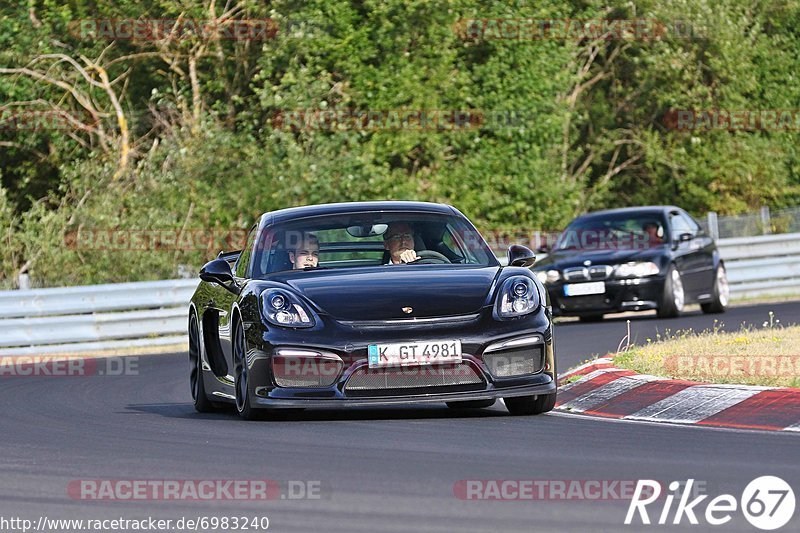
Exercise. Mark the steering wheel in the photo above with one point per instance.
(430, 257)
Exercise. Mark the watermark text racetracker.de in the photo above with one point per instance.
(628, 29)
(528, 29)
(375, 120)
(732, 119)
(67, 366)
(723, 366)
(123, 490)
(25, 119)
(550, 489)
(138, 239)
(174, 29)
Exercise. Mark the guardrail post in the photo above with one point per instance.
(713, 225)
(24, 282)
(765, 221)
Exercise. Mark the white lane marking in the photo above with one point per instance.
(693, 404)
(588, 377)
(601, 361)
(757, 388)
(662, 423)
(602, 394)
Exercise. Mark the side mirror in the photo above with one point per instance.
(219, 271)
(520, 256)
(683, 237)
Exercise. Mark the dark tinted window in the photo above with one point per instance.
(614, 231)
(695, 227)
(679, 224)
(355, 240)
(244, 258)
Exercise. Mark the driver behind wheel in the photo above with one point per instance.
(655, 233)
(398, 240)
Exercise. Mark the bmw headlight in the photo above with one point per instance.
(548, 276)
(518, 296)
(636, 270)
(282, 308)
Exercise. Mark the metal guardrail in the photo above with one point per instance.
(94, 317)
(95, 298)
(759, 266)
(765, 221)
(99, 317)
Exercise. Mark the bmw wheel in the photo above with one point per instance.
(720, 294)
(674, 297)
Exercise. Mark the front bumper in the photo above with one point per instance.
(475, 334)
(494, 392)
(635, 294)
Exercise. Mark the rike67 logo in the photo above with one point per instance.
(767, 502)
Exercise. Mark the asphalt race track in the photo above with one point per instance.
(378, 470)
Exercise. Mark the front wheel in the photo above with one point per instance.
(242, 378)
(721, 293)
(530, 405)
(673, 296)
(199, 397)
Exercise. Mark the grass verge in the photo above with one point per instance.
(768, 356)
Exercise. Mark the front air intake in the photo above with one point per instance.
(518, 361)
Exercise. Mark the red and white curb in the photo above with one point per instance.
(607, 391)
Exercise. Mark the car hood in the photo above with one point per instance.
(569, 258)
(382, 293)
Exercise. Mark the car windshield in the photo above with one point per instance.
(622, 231)
(361, 239)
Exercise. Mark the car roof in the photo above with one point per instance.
(292, 213)
(637, 210)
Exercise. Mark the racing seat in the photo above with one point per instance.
(280, 261)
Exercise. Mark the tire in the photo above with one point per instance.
(673, 298)
(471, 404)
(200, 399)
(591, 318)
(530, 405)
(242, 378)
(721, 292)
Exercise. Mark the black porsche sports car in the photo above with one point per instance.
(373, 303)
(633, 259)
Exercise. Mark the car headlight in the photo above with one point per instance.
(548, 276)
(518, 296)
(284, 309)
(636, 270)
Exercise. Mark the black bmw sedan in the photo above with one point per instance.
(633, 259)
(370, 304)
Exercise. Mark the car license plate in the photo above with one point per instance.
(583, 289)
(414, 353)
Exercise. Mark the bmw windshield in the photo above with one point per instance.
(619, 231)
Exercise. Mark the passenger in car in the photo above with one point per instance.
(306, 253)
(398, 240)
